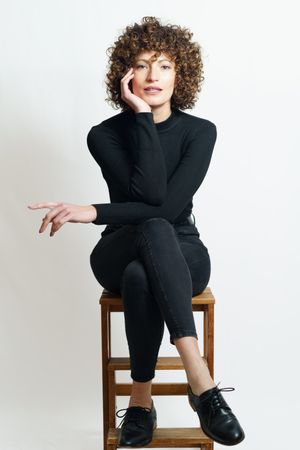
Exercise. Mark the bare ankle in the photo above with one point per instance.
(143, 403)
(141, 394)
(198, 388)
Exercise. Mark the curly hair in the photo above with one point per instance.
(151, 35)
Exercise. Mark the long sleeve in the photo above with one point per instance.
(145, 180)
(183, 184)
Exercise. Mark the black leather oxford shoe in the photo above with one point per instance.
(216, 417)
(137, 426)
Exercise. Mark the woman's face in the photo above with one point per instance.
(159, 73)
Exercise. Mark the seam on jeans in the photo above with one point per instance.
(158, 277)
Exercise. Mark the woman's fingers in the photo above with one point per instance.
(44, 205)
(55, 207)
(59, 221)
(127, 74)
(49, 216)
(125, 80)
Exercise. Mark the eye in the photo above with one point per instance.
(142, 65)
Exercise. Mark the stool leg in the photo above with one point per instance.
(208, 340)
(112, 399)
(208, 337)
(105, 345)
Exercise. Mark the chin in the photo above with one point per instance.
(154, 101)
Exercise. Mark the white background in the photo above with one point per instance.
(53, 64)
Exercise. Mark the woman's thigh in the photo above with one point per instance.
(116, 250)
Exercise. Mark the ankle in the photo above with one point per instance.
(199, 388)
(145, 403)
(141, 394)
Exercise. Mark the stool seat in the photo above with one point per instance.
(114, 299)
(162, 437)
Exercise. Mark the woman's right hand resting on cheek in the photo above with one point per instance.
(61, 213)
(135, 102)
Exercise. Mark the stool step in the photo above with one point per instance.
(163, 363)
(124, 389)
(168, 437)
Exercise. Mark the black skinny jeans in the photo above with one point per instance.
(157, 267)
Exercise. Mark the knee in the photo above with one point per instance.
(156, 225)
(134, 279)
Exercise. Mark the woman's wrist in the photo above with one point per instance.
(95, 213)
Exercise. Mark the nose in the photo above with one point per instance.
(152, 74)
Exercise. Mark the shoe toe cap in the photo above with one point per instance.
(231, 433)
(238, 434)
(134, 438)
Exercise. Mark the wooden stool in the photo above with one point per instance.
(162, 437)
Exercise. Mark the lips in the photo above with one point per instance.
(152, 89)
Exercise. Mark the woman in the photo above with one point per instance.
(154, 157)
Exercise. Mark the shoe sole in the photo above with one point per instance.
(210, 435)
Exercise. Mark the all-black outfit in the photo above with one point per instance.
(151, 251)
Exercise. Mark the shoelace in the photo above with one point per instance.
(217, 401)
(133, 416)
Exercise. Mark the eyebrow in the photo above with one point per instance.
(147, 60)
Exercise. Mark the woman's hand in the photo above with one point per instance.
(135, 102)
(61, 213)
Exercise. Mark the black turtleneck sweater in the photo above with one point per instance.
(151, 169)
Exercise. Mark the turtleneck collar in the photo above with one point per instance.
(169, 122)
(166, 124)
